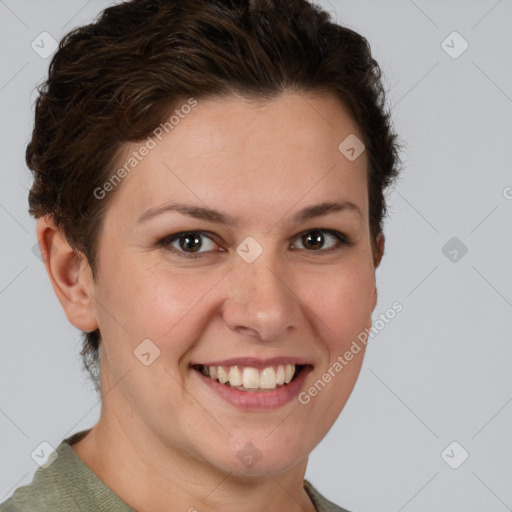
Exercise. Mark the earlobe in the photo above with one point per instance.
(69, 275)
(377, 257)
(379, 249)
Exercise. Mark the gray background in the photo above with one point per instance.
(438, 373)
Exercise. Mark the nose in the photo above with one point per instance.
(261, 300)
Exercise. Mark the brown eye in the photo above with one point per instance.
(317, 239)
(189, 243)
(313, 240)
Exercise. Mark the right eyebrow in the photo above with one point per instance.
(198, 212)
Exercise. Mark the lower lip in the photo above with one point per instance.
(258, 400)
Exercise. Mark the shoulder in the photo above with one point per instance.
(321, 503)
(38, 497)
(57, 485)
(44, 493)
(49, 489)
(65, 482)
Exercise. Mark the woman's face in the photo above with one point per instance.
(260, 275)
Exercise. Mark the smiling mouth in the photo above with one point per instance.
(247, 378)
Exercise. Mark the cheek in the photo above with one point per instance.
(162, 302)
(167, 305)
(138, 300)
(341, 301)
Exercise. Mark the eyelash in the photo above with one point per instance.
(166, 242)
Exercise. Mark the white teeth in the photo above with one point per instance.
(268, 379)
(289, 370)
(250, 378)
(222, 375)
(235, 376)
(280, 375)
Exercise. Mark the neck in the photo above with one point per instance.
(149, 476)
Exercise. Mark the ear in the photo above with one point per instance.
(379, 249)
(69, 273)
(377, 256)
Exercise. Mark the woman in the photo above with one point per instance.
(209, 181)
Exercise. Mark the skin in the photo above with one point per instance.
(163, 437)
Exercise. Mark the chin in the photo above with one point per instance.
(248, 459)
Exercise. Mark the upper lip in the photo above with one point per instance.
(255, 362)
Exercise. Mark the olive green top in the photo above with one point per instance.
(69, 485)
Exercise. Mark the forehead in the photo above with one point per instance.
(237, 125)
(248, 154)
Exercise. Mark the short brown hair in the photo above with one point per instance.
(117, 79)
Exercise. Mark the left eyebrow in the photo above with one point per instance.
(211, 215)
(318, 210)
